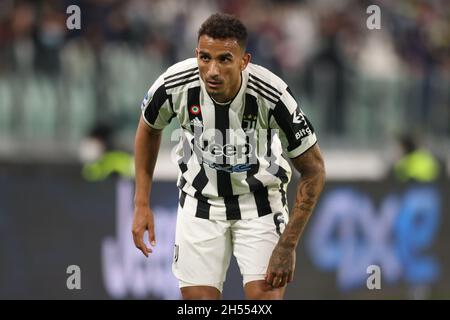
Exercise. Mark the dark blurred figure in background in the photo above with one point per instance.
(329, 65)
(50, 33)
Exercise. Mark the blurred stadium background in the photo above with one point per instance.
(70, 102)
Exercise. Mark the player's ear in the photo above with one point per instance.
(196, 52)
(245, 60)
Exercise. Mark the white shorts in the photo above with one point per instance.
(203, 247)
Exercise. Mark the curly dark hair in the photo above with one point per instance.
(223, 26)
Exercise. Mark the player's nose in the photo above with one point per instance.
(213, 70)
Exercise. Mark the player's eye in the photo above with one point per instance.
(225, 59)
(204, 58)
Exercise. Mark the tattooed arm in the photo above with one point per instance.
(312, 170)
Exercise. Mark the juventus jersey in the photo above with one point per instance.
(232, 157)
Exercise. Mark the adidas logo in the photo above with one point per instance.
(196, 122)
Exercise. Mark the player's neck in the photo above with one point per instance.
(221, 103)
(227, 100)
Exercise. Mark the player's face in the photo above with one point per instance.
(220, 62)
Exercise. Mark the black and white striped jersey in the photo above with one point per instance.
(232, 158)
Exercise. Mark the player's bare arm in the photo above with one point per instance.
(282, 262)
(147, 144)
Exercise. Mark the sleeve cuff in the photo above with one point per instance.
(307, 143)
(153, 126)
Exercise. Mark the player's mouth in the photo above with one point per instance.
(214, 84)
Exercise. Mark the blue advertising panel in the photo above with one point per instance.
(53, 219)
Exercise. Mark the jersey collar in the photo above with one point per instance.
(238, 101)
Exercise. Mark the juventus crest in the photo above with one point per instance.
(249, 122)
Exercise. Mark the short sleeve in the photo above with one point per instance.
(156, 107)
(294, 129)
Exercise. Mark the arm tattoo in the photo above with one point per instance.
(311, 184)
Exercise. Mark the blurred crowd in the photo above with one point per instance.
(284, 35)
(317, 46)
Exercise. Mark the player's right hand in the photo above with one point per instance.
(143, 220)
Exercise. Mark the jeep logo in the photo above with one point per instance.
(227, 150)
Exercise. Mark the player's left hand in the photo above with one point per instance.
(281, 267)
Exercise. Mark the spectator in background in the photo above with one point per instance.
(326, 72)
(101, 159)
(416, 164)
(16, 41)
(49, 38)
